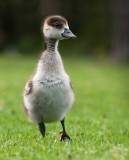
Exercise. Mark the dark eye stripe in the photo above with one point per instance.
(57, 25)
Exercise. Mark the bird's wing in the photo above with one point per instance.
(28, 87)
(71, 85)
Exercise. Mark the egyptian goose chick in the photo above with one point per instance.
(48, 95)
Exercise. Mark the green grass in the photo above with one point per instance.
(98, 123)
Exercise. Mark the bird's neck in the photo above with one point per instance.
(50, 63)
(51, 45)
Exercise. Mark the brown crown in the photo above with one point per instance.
(52, 20)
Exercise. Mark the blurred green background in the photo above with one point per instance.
(102, 27)
(98, 65)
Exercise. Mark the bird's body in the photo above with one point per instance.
(51, 95)
(48, 95)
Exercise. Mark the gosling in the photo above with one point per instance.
(48, 94)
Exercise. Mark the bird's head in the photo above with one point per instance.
(56, 27)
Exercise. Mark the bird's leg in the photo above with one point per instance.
(42, 129)
(64, 136)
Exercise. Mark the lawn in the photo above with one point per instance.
(98, 123)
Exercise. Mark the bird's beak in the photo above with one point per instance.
(68, 34)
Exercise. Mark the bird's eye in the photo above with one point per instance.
(57, 25)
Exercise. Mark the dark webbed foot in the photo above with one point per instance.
(65, 137)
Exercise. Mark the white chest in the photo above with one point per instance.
(49, 103)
